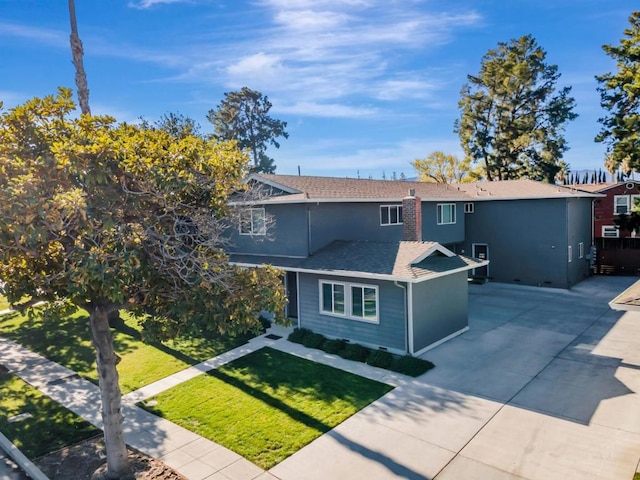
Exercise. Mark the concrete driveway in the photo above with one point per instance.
(543, 386)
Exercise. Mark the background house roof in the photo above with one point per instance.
(395, 260)
(308, 188)
(601, 187)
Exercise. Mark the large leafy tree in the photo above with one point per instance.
(620, 95)
(244, 116)
(440, 167)
(107, 217)
(513, 115)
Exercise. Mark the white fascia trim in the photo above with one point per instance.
(372, 276)
(271, 183)
(440, 342)
(283, 200)
(267, 255)
(621, 307)
(434, 248)
(490, 198)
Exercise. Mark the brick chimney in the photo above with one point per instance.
(412, 217)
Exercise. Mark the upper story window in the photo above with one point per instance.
(468, 208)
(252, 222)
(350, 300)
(446, 213)
(624, 203)
(391, 215)
(610, 231)
(621, 204)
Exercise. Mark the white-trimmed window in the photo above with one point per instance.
(621, 204)
(252, 222)
(468, 208)
(570, 253)
(610, 231)
(332, 298)
(350, 300)
(391, 215)
(446, 213)
(581, 250)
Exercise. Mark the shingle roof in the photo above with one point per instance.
(309, 188)
(519, 189)
(342, 188)
(397, 260)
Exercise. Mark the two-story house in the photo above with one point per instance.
(617, 250)
(386, 263)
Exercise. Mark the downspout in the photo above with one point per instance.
(308, 230)
(406, 316)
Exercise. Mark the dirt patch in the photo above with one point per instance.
(87, 461)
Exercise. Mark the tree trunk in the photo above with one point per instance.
(117, 459)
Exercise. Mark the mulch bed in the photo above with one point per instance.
(87, 461)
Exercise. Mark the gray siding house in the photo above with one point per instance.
(533, 233)
(356, 266)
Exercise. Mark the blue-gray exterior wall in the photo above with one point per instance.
(527, 239)
(390, 332)
(361, 221)
(444, 234)
(300, 229)
(286, 235)
(439, 309)
(579, 231)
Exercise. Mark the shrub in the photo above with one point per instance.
(411, 366)
(298, 335)
(334, 346)
(313, 340)
(264, 322)
(353, 351)
(379, 358)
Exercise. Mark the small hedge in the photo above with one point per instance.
(404, 364)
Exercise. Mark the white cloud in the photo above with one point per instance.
(144, 4)
(330, 110)
(45, 36)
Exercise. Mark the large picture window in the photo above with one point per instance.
(391, 215)
(355, 301)
(446, 213)
(252, 222)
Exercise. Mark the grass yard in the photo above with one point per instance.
(266, 405)
(3, 303)
(68, 342)
(50, 425)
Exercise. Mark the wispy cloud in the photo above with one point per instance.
(40, 35)
(144, 4)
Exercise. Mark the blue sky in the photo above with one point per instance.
(366, 86)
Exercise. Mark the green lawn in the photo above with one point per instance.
(68, 341)
(50, 425)
(266, 405)
(3, 303)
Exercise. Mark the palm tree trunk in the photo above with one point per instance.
(77, 52)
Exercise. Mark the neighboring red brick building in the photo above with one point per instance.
(617, 252)
(619, 199)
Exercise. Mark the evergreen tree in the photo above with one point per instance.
(244, 116)
(620, 95)
(513, 116)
